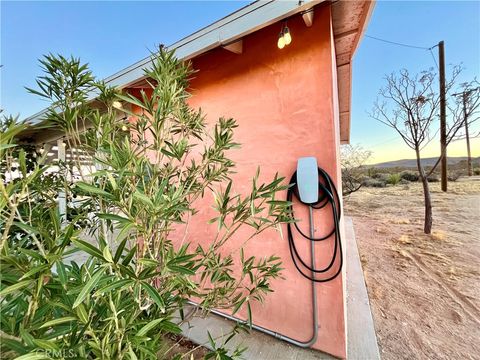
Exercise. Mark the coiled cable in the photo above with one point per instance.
(328, 197)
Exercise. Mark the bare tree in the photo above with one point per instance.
(409, 104)
(466, 108)
(352, 160)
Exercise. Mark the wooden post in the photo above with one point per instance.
(62, 198)
(443, 116)
(467, 136)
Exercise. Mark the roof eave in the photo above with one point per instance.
(245, 21)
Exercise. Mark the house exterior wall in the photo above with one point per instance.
(285, 104)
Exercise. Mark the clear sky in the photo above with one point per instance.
(112, 35)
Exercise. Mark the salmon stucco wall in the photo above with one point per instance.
(284, 105)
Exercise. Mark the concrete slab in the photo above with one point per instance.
(361, 338)
(259, 346)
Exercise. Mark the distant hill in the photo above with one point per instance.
(412, 163)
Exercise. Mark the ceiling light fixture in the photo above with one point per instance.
(285, 37)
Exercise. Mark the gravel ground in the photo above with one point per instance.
(424, 289)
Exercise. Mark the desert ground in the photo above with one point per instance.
(424, 289)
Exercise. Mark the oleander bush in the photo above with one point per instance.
(123, 301)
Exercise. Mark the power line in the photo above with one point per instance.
(393, 139)
(409, 46)
(399, 44)
(433, 57)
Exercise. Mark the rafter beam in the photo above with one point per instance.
(308, 17)
(235, 47)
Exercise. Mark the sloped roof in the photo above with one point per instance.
(349, 20)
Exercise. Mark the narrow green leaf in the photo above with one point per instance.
(131, 353)
(45, 344)
(7, 146)
(170, 327)
(107, 255)
(238, 306)
(14, 345)
(154, 295)
(181, 269)
(34, 270)
(249, 311)
(119, 250)
(88, 287)
(34, 356)
(58, 321)
(82, 313)
(27, 228)
(129, 256)
(144, 330)
(114, 285)
(93, 190)
(113, 217)
(144, 199)
(88, 248)
(15, 287)
(62, 274)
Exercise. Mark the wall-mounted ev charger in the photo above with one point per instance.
(307, 179)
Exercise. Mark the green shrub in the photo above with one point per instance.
(394, 179)
(121, 302)
(409, 175)
(374, 183)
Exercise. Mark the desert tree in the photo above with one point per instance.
(465, 109)
(352, 161)
(409, 104)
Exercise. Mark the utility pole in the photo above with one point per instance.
(467, 136)
(443, 115)
(468, 108)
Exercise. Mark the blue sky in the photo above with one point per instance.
(417, 23)
(112, 35)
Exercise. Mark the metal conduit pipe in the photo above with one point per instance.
(304, 344)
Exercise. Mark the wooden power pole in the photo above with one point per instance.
(443, 115)
(467, 135)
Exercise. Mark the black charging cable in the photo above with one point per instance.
(327, 197)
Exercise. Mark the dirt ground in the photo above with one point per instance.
(424, 289)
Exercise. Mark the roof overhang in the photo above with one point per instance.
(227, 30)
(349, 20)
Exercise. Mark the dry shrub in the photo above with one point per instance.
(409, 175)
(405, 239)
(363, 260)
(400, 221)
(438, 235)
(381, 230)
(452, 271)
